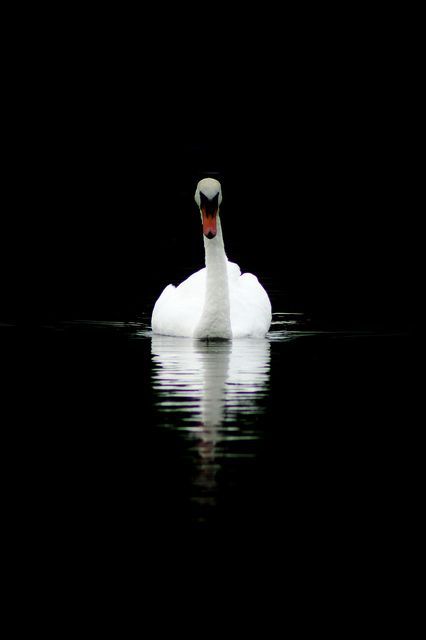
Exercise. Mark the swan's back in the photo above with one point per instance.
(178, 310)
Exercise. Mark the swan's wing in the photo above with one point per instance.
(251, 312)
(234, 272)
(178, 309)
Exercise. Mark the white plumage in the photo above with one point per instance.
(217, 301)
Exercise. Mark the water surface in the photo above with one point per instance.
(304, 430)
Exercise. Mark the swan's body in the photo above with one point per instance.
(217, 301)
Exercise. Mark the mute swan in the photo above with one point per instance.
(217, 301)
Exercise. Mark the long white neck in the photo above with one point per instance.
(215, 319)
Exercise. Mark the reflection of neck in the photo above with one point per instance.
(215, 319)
(215, 373)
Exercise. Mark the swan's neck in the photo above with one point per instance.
(215, 319)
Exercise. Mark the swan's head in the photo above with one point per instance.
(208, 196)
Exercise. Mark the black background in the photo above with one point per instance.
(307, 135)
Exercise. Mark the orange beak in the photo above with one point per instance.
(209, 222)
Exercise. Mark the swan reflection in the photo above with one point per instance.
(212, 392)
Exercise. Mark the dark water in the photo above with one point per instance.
(117, 435)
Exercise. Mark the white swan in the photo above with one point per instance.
(217, 301)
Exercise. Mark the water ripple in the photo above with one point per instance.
(213, 391)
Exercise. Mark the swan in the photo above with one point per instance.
(216, 301)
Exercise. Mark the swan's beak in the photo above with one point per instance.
(209, 222)
(209, 209)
